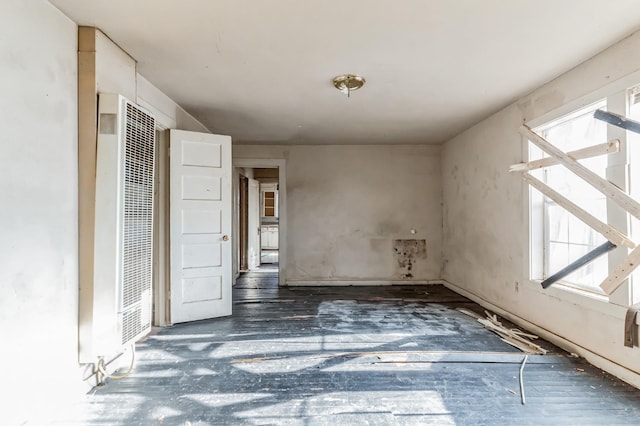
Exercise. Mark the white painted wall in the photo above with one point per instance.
(346, 205)
(486, 227)
(38, 217)
(115, 69)
(39, 214)
(169, 114)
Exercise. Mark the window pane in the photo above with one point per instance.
(558, 257)
(633, 145)
(567, 238)
(592, 274)
(558, 219)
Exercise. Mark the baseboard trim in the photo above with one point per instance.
(599, 361)
(347, 283)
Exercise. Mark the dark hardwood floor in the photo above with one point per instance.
(351, 356)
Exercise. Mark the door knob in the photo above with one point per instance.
(225, 238)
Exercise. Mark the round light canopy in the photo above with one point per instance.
(347, 83)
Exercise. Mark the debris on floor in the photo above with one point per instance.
(512, 336)
(392, 299)
(299, 317)
(329, 358)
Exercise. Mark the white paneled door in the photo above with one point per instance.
(200, 221)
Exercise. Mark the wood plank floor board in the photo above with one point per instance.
(396, 355)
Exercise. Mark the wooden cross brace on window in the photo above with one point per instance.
(612, 192)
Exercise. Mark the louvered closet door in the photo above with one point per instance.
(200, 221)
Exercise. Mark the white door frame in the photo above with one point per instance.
(267, 163)
(161, 272)
(253, 223)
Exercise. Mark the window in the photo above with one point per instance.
(557, 238)
(633, 147)
(565, 238)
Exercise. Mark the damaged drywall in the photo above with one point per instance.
(406, 254)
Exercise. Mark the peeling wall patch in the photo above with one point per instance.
(406, 253)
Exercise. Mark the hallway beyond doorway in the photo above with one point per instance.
(268, 257)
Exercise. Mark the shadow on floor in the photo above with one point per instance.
(395, 355)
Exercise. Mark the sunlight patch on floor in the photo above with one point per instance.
(329, 405)
(214, 400)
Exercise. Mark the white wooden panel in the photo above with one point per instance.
(201, 272)
(201, 289)
(201, 188)
(611, 191)
(200, 210)
(201, 154)
(607, 231)
(201, 255)
(591, 151)
(201, 221)
(622, 272)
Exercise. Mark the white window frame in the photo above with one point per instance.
(619, 170)
(545, 202)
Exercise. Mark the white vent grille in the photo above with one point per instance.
(116, 306)
(137, 240)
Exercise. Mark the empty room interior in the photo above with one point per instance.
(321, 212)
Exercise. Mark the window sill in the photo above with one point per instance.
(588, 300)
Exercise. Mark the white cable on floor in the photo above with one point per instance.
(522, 398)
(133, 360)
(101, 373)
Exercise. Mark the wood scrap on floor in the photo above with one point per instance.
(512, 336)
(256, 359)
(414, 357)
(469, 312)
(261, 301)
(299, 317)
(393, 299)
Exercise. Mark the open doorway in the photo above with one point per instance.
(268, 179)
(258, 219)
(270, 228)
(248, 221)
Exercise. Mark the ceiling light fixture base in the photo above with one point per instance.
(347, 83)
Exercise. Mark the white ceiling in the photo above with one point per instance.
(261, 70)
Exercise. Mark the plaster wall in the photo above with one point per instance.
(347, 204)
(38, 218)
(485, 222)
(169, 115)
